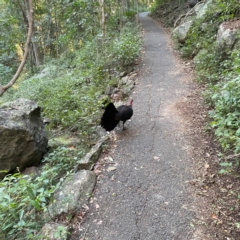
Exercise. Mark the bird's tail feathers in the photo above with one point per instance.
(108, 120)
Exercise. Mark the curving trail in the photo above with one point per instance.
(147, 197)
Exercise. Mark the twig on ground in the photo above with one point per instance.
(232, 156)
(84, 235)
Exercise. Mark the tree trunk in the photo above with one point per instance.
(26, 49)
(102, 20)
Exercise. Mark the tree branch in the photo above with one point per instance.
(26, 49)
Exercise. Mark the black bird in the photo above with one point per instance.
(192, 3)
(112, 115)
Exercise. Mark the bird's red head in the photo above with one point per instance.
(131, 101)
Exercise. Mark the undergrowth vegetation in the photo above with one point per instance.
(70, 89)
(24, 198)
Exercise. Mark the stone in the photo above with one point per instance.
(74, 192)
(64, 140)
(126, 84)
(23, 136)
(109, 90)
(55, 231)
(180, 32)
(227, 38)
(202, 8)
(88, 161)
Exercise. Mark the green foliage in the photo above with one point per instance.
(226, 114)
(12, 34)
(5, 74)
(224, 98)
(61, 233)
(156, 4)
(126, 48)
(63, 99)
(226, 167)
(130, 14)
(71, 97)
(23, 199)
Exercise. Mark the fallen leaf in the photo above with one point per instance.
(96, 171)
(206, 165)
(111, 168)
(100, 222)
(156, 158)
(213, 216)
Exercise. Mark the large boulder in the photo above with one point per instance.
(23, 136)
(227, 38)
(180, 32)
(202, 8)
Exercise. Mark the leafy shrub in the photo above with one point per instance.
(224, 98)
(126, 48)
(130, 14)
(156, 4)
(226, 114)
(23, 200)
(5, 74)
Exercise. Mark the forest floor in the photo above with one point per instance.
(158, 180)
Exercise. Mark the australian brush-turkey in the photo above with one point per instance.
(112, 116)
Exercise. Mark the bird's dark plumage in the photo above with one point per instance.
(112, 116)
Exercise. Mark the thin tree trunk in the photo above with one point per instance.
(102, 20)
(38, 59)
(26, 49)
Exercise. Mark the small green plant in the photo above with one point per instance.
(61, 233)
(227, 167)
(5, 74)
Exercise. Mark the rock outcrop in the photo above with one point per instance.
(227, 38)
(74, 192)
(23, 136)
(180, 32)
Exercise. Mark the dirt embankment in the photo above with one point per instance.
(169, 12)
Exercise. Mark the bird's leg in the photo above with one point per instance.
(123, 125)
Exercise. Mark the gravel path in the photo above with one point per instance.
(147, 197)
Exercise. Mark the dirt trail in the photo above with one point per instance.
(147, 196)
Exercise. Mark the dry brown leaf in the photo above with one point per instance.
(206, 165)
(213, 216)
